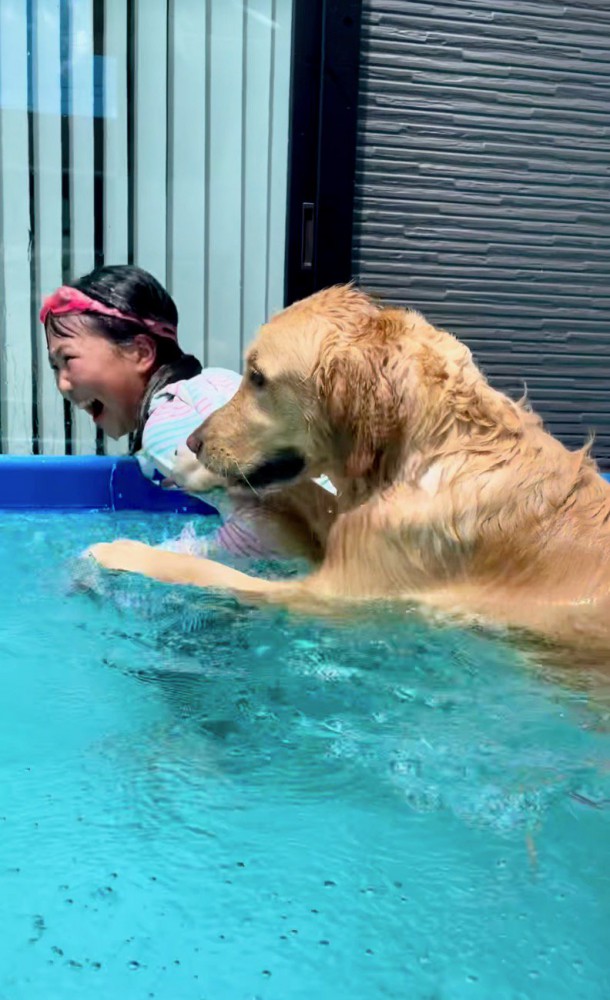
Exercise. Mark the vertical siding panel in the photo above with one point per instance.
(151, 136)
(115, 151)
(15, 307)
(187, 155)
(225, 184)
(82, 176)
(47, 179)
(258, 109)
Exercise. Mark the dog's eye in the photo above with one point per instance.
(257, 378)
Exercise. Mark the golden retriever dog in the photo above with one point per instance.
(450, 495)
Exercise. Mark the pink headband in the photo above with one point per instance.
(70, 300)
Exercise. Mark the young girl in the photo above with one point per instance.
(112, 338)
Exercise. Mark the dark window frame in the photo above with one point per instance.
(322, 144)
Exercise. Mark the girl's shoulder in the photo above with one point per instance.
(177, 409)
(205, 392)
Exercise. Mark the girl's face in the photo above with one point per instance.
(106, 380)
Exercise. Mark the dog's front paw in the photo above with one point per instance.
(124, 554)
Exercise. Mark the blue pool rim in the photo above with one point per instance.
(70, 482)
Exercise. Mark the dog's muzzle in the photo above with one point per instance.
(284, 467)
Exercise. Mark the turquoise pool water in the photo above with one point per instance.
(203, 802)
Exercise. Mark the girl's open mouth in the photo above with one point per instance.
(93, 407)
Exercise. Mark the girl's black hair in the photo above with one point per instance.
(136, 293)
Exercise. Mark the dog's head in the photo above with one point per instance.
(332, 384)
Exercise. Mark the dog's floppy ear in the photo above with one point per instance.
(359, 382)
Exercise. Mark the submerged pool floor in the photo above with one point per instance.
(204, 802)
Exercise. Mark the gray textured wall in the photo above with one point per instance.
(483, 189)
